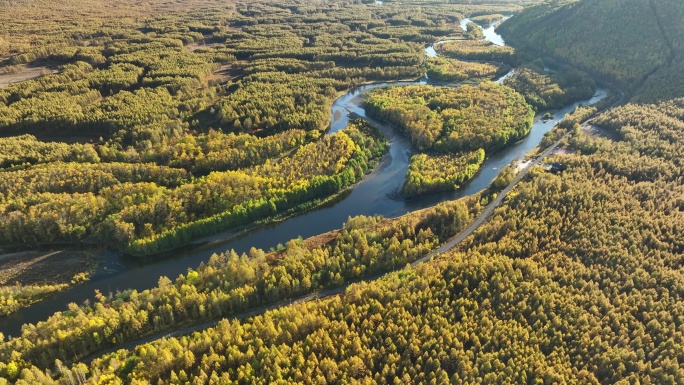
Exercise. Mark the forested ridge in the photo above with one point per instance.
(635, 43)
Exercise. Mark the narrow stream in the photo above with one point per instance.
(376, 194)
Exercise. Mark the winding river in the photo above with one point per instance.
(377, 193)
(489, 32)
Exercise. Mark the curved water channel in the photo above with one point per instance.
(376, 194)
(489, 32)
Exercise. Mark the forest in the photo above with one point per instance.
(231, 284)
(487, 20)
(477, 50)
(429, 174)
(605, 37)
(445, 119)
(547, 88)
(575, 279)
(160, 113)
(453, 70)
(144, 208)
(179, 128)
(453, 128)
(142, 126)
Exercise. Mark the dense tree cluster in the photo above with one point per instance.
(25, 150)
(547, 88)
(487, 20)
(448, 120)
(642, 126)
(149, 90)
(230, 284)
(277, 101)
(456, 126)
(476, 50)
(213, 151)
(575, 279)
(139, 94)
(474, 31)
(17, 296)
(145, 208)
(453, 70)
(427, 174)
(636, 43)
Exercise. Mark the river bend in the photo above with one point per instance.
(376, 194)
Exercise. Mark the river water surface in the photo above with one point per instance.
(489, 32)
(376, 194)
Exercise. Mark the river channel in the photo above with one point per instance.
(376, 194)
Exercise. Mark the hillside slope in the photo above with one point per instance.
(635, 43)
